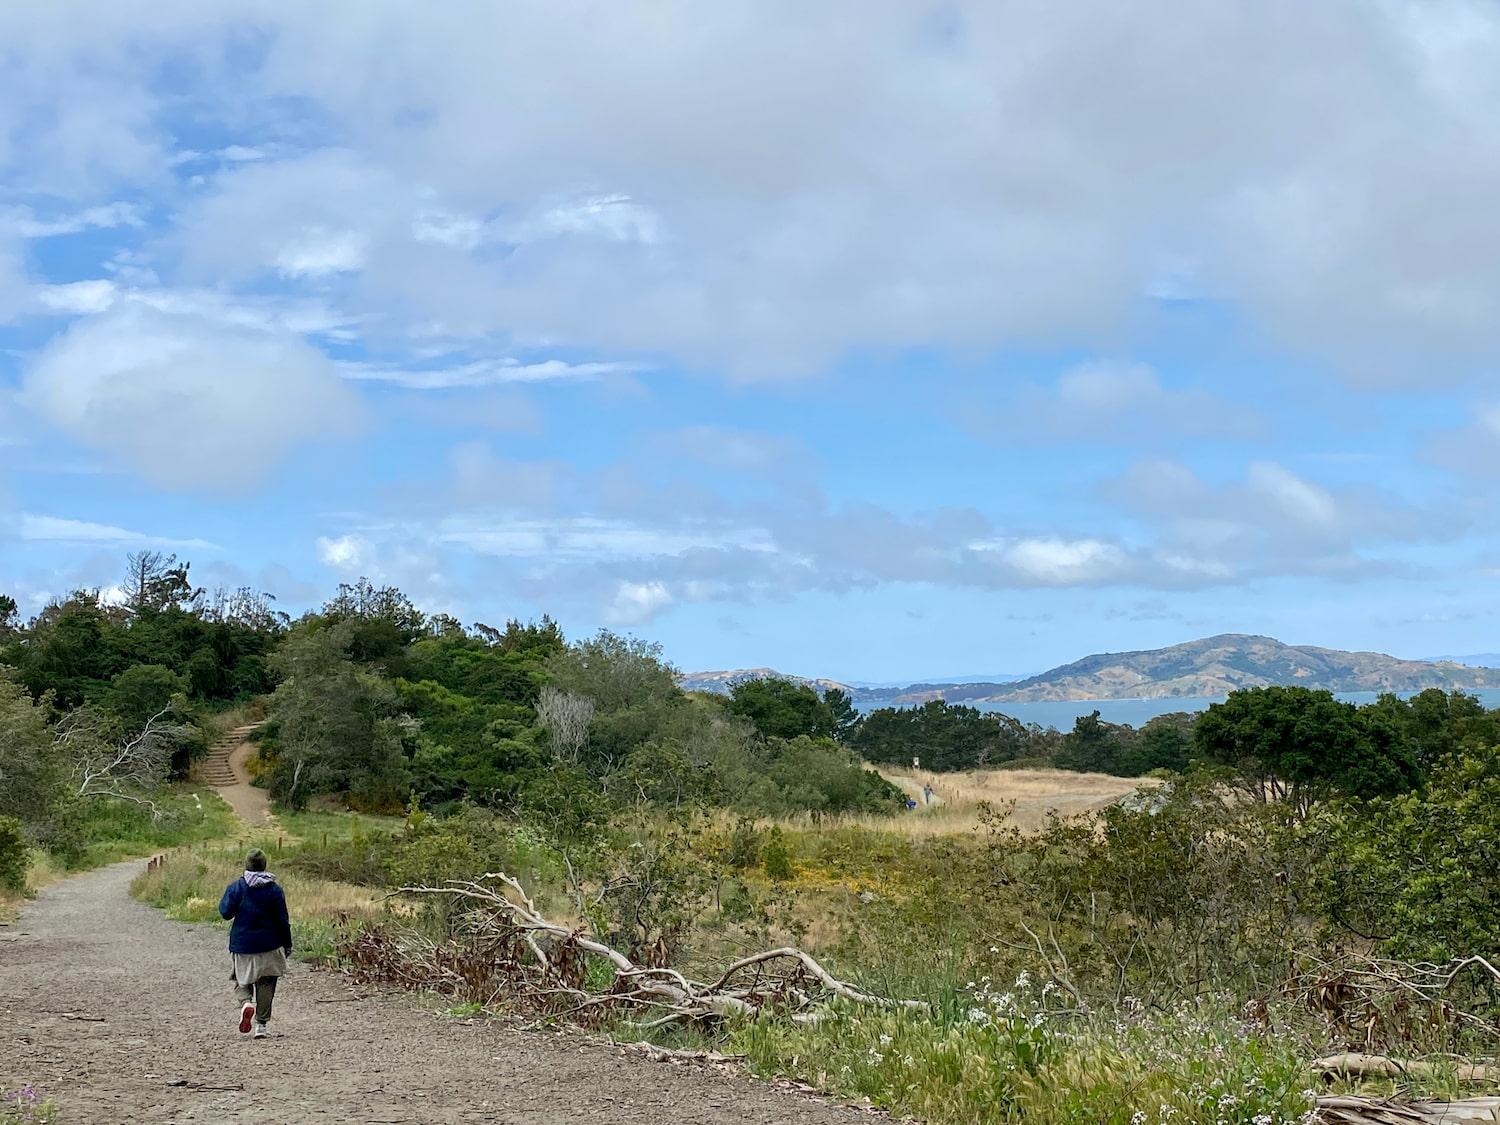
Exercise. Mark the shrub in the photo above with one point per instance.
(743, 852)
(775, 857)
(13, 860)
(1416, 872)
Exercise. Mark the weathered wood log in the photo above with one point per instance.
(1349, 1110)
(1357, 1065)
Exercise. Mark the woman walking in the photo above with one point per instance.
(260, 940)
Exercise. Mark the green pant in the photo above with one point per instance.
(262, 992)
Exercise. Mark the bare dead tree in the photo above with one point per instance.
(566, 718)
(101, 764)
(243, 605)
(155, 581)
(143, 569)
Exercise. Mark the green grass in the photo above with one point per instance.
(116, 830)
(110, 830)
(188, 884)
(312, 827)
(26, 1105)
(1004, 1061)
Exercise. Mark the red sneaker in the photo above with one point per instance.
(247, 1014)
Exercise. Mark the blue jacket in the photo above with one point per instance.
(261, 923)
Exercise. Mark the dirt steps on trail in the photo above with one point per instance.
(215, 768)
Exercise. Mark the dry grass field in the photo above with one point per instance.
(958, 797)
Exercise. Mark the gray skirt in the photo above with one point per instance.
(251, 967)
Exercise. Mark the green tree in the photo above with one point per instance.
(337, 727)
(1419, 872)
(947, 736)
(13, 858)
(1301, 744)
(780, 708)
(635, 695)
(33, 772)
(154, 582)
(1436, 723)
(140, 692)
(10, 619)
(72, 649)
(846, 717)
(1094, 746)
(1164, 743)
(820, 776)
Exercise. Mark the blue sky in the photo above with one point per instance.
(879, 340)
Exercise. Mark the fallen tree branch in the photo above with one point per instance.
(667, 1054)
(1371, 1001)
(821, 975)
(509, 948)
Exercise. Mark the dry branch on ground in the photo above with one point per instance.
(512, 951)
(1348, 1110)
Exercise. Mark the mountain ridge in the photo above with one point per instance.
(724, 681)
(1208, 666)
(1227, 662)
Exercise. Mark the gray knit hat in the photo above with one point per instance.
(256, 860)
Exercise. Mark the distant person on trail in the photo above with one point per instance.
(260, 940)
(927, 792)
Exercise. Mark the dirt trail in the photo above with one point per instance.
(126, 1016)
(226, 768)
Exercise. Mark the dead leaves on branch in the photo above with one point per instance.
(504, 951)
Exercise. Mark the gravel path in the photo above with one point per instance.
(125, 1016)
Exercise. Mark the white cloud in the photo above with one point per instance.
(25, 223)
(589, 537)
(1124, 403)
(78, 296)
(1471, 450)
(55, 529)
(15, 288)
(240, 154)
(350, 555)
(261, 314)
(188, 402)
(1299, 500)
(316, 252)
(1275, 521)
(446, 229)
(1066, 562)
(617, 218)
(732, 450)
(868, 174)
(307, 216)
(636, 603)
(483, 373)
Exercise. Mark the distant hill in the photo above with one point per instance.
(1473, 659)
(1208, 667)
(721, 683)
(1225, 663)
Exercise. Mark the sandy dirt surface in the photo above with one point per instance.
(125, 1016)
(226, 767)
(245, 799)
